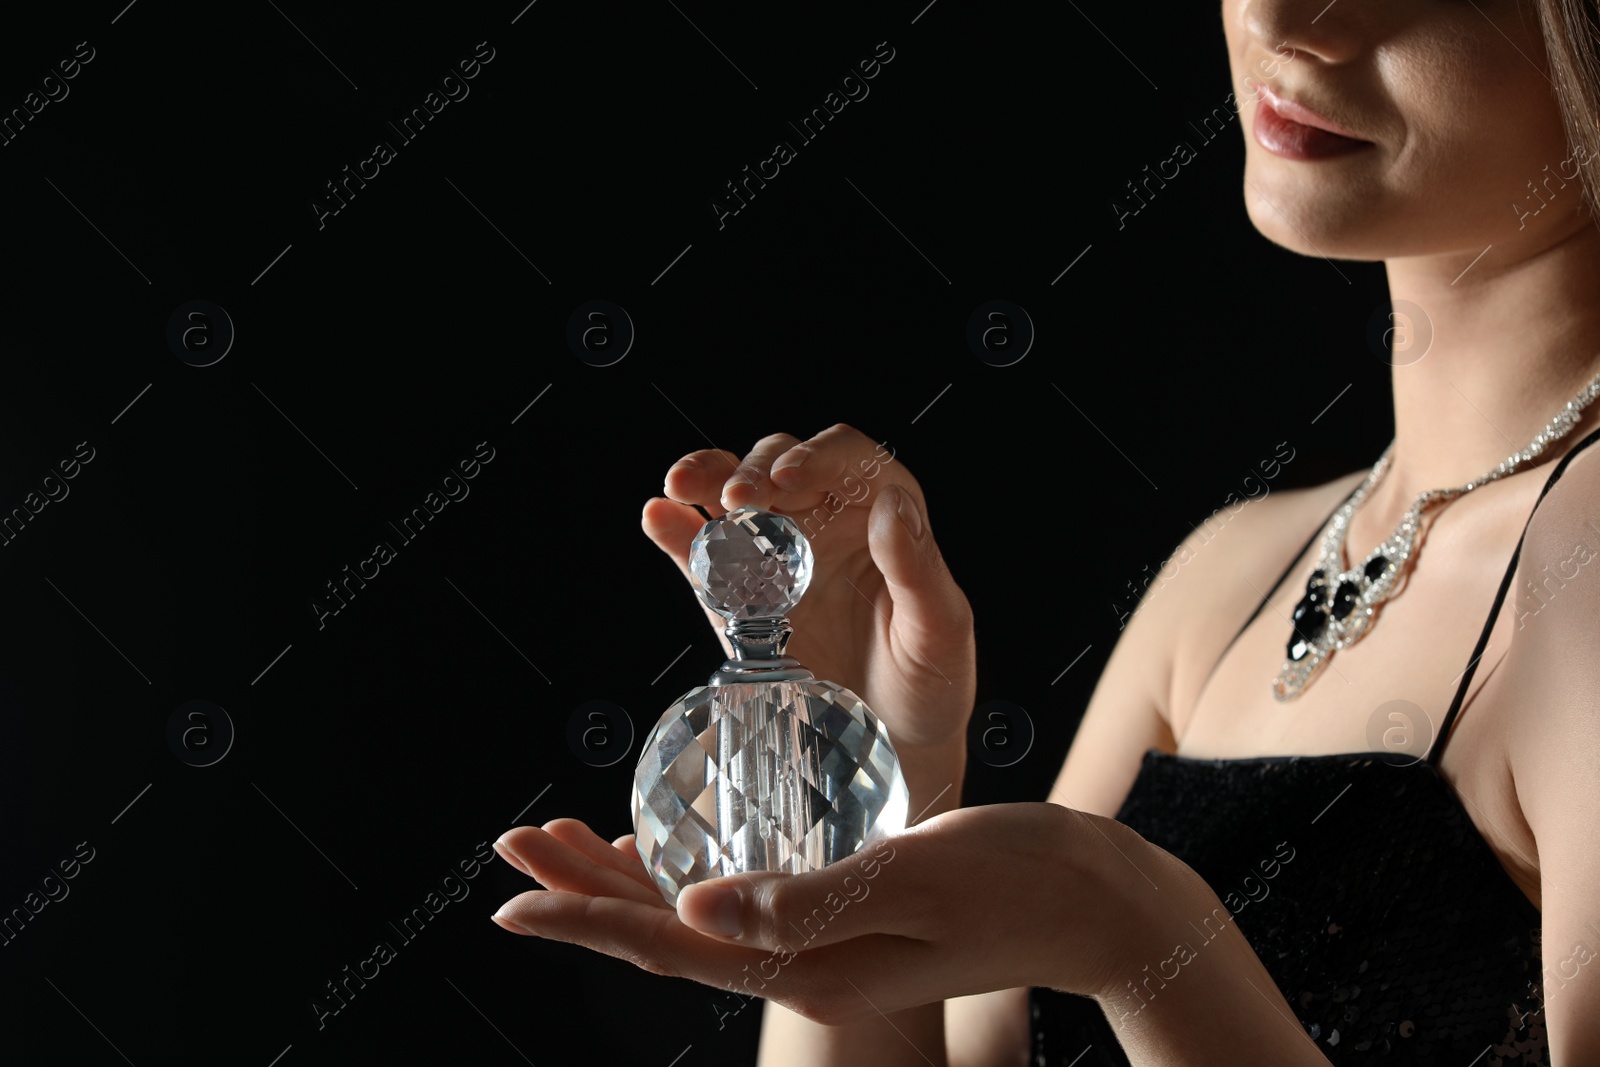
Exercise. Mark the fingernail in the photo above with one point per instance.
(711, 909)
(732, 485)
(512, 925)
(791, 459)
(682, 465)
(907, 510)
(507, 855)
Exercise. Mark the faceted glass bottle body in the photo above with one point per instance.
(763, 776)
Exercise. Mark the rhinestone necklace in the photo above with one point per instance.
(1340, 605)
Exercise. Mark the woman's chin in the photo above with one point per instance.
(1329, 222)
(1339, 216)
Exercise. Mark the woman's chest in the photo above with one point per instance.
(1390, 692)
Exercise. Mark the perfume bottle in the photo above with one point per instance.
(764, 768)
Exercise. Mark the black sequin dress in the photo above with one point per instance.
(1361, 882)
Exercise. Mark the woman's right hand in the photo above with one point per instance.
(882, 616)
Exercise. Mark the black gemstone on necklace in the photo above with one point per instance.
(1375, 567)
(1310, 618)
(1344, 599)
(1298, 649)
(1317, 581)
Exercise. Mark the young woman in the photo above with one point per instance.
(1358, 830)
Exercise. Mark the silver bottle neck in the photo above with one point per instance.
(758, 653)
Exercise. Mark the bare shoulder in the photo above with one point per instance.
(1566, 520)
(1232, 555)
(1186, 614)
(1555, 594)
(1219, 573)
(1551, 671)
(1281, 520)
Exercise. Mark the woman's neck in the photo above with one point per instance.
(1514, 338)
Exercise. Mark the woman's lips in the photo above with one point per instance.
(1295, 140)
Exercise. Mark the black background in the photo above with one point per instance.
(383, 748)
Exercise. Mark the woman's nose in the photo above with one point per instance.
(1333, 32)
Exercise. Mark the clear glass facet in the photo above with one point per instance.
(766, 776)
(750, 564)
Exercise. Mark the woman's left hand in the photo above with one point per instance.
(972, 900)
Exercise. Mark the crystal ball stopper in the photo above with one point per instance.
(750, 564)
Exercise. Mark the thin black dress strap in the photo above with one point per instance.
(1288, 570)
(1437, 749)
